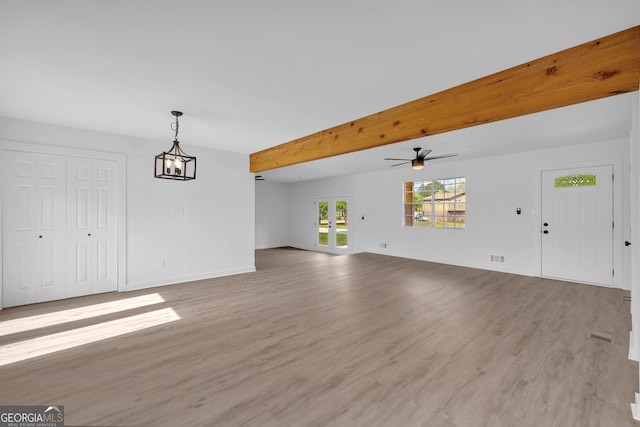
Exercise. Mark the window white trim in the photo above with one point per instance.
(435, 203)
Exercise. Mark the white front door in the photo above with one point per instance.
(332, 224)
(577, 224)
(33, 227)
(92, 226)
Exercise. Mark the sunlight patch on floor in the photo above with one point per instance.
(28, 349)
(15, 326)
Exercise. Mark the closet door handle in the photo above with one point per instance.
(89, 234)
(40, 236)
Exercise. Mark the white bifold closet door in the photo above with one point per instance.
(60, 227)
(34, 228)
(91, 226)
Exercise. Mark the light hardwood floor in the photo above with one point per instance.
(317, 340)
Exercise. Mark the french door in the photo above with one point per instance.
(577, 224)
(332, 224)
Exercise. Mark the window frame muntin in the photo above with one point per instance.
(433, 217)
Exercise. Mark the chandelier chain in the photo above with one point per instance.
(175, 126)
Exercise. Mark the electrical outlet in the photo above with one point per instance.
(383, 245)
(497, 258)
(160, 263)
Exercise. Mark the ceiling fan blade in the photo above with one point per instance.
(424, 153)
(440, 157)
(403, 163)
(387, 158)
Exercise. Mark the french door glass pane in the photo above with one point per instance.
(342, 230)
(323, 223)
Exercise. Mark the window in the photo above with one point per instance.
(437, 203)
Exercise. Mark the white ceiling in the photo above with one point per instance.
(252, 74)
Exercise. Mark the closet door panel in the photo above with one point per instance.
(92, 226)
(20, 234)
(33, 227)
(51, 211)
(106, 227)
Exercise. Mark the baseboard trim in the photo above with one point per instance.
(635, 408)
(188, 278)
(501, 268)
(633, 350)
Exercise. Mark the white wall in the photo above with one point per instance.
(214, 237)
(272, 214)
(634, 251)
(496, 186)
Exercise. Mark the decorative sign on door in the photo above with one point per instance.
(575, 181)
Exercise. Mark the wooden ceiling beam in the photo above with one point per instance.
(598, 69)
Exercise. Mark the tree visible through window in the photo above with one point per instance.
(437, 203)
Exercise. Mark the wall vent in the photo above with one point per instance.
(497, 258)
(600, 336)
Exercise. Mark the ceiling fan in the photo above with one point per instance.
(421, 156)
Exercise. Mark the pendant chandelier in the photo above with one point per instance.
(175, 163)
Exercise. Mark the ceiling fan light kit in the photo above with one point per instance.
(175, 164)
